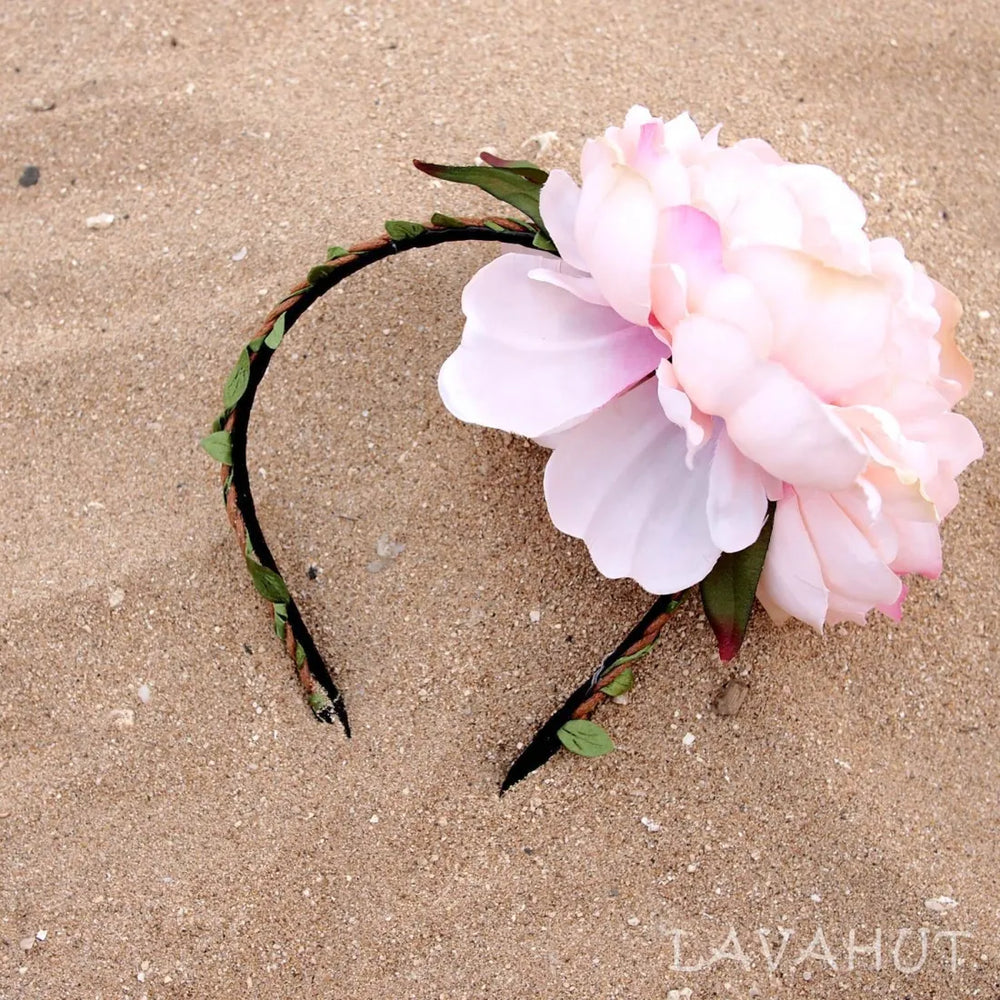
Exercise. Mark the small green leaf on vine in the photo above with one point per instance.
(218, 446)
(622, 684)
(586, 738)
(446, 221)
(269, 584)
(332, 253)
(494, 226)
(399, 229)
(300, 655)
(317, 274)
(237, 382)
(255, 344)
(542, 242)
(274, 338)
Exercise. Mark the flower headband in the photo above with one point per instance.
(742, 392)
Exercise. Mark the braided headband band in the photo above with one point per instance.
(228, 444)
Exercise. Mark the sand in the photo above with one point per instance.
(213, 840)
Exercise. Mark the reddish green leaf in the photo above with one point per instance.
(728, 591)
(506, 185)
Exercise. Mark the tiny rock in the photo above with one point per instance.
(123, 718)
(116, 597)
(650, 825)
(145, 693)
(101, 221)
(40, 104)
(27, 943)
(29, 177)
(41, 935)
(688, 740)
(240, 254)
(730, 699)
(940, 904)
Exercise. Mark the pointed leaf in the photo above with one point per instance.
(728, 591)
(586, 738)
(506, 185)
(523, 168)
(274, 338)
(399, 229)
(542, 242)
(446, 221)
(269, 584)
(622, 684)
(218, 446)
(237, 382)
(333, 253)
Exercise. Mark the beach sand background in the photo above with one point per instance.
(215, 841)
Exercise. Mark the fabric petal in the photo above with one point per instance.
(791, 583)
(559, 202)
(737, 498)
(956, 370)
(770, 416)
(850, 565)
(619, 481)
(534, 357)
(830, 326)
(615, 233)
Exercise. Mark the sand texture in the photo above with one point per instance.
(209, 839)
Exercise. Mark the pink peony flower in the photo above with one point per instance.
(718, 333)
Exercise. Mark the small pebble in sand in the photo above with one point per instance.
(240, 254)
(123, 718)
(145, 693)
(373, 820)
(941, 904)
(29, 177)
(116, 597)
(534, 617)
(633, 921)
(40, 104)
(41, 935)
(650, 825)
(730, 699)
(688, 740)
(27, 943)
(101, 221)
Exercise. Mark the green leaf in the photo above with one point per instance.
(332, 253)
(506, 185)
(542, 242)
(218, 446)
(300, 655)
(447, 221)
(586, 738)
(316, 274)
(279, 627)
(495, 226)
(218, 422)
(273, 339)
(255, 344)
(237, 382)
(727, 593)
(268, 583)
(622, 684)
(523, 168)
(281, 611)
(399, 229)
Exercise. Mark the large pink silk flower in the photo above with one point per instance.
(719, 332)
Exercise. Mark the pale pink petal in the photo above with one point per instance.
(830, 326)
(697, 426)
(823, 195)
(688, 237)
(851, 568)
(791, 584)
(956, 370)
(681, 135)
(533, 357)
(737, 498)
(919, 549)
(770, 416)
(619, 482)
(615, 233)
(582, 286)
(559, 202)
(733, 299)
(895, 610)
